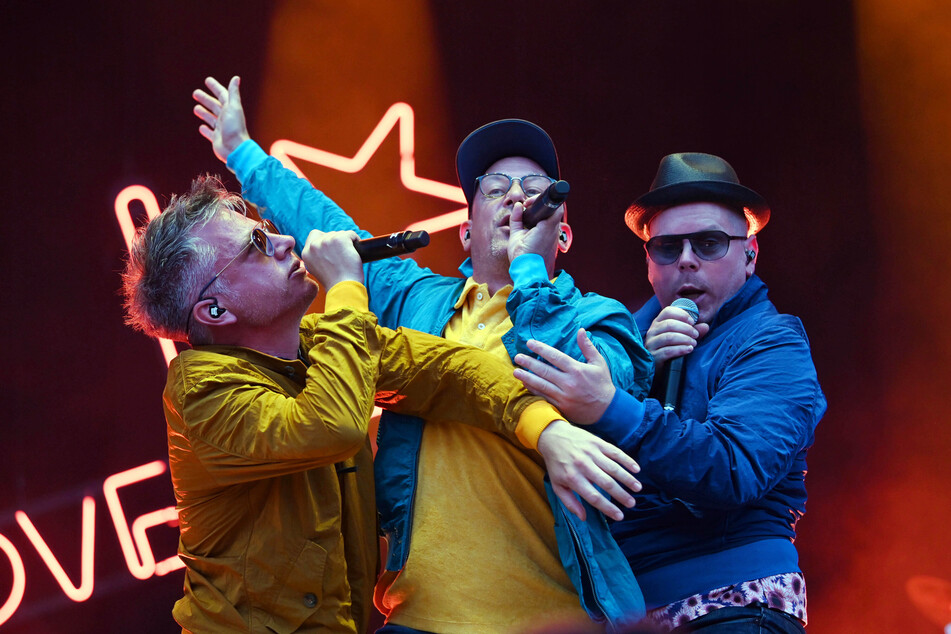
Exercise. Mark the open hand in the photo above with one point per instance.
(223, 115)
(580, 391)
(578, 461)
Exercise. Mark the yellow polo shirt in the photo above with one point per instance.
(483, 555)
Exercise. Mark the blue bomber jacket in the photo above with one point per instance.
(404, 294)
(724, 475)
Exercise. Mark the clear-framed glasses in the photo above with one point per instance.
(259, 240)
(497, 185)
(708, 245)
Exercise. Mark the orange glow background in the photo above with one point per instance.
(839, 113)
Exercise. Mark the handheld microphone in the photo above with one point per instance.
(546, 204)
(675, 367)
(379, 247)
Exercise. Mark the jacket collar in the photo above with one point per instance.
(752, 292)
(466, 268)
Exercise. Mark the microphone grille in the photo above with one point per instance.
(688, 305)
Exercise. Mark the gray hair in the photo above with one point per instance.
(167, 264)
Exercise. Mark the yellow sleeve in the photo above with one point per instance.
(424, 375)
(348, 294)
(238, 417)
(534, 420)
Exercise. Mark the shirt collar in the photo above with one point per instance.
(471, 285)
(285, 367)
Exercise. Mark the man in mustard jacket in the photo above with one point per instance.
(268, 413)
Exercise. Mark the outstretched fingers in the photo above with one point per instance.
(554, 356)
(581, 464)
(598, 487)
(206, 103)
(217, 88)
(590, 352)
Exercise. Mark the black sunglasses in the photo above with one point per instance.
(708, 245)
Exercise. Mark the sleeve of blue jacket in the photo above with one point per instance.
(553, 311)
(761, 414)
(284, 197)
(297, 208)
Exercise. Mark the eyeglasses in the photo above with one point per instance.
(708, 245)
(259, 240)
(497, 185)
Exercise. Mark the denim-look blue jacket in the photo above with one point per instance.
(404, 294)
(724, 475)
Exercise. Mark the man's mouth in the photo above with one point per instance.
(690, 292)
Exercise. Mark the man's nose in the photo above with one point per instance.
(688, 259)
(515, 193)
(283, 245)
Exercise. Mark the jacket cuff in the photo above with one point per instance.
(620, 420)
(245, 159)
(527, 269)
(534, 420)
(347, 294)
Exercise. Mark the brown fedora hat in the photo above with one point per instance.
(691, 177)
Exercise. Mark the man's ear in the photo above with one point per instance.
(564, 237)
(465, 233)
(751, 247)
(209, 313)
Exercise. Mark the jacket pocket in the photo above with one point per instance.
(302, 592)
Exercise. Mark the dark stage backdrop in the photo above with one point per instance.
(839, 114)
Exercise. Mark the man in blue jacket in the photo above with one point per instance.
(468, 522)
(711, 537)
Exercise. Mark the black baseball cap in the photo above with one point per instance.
(500, 139)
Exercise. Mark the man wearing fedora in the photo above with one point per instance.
(711, 537)
(470, 531)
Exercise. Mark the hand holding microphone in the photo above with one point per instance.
(330, 257)
(546, 204)
(675, 367)
(379, 247)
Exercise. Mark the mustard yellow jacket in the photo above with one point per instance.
(272, 467)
